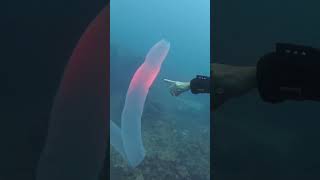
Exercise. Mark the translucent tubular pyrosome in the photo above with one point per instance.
(127, 140)
(77, 136)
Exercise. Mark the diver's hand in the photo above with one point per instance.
(231, 82)
(177, 87)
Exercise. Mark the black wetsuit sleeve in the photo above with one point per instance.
(292, 72)
(200, 84)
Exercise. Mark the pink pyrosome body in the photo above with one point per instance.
(130, 144)
(77, 137)
(140, 79)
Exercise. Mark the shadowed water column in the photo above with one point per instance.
(77, 136)
(127, 140)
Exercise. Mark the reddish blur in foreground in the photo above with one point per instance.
(78, 129)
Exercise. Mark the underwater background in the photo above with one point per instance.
(37, 40)
(253, 139)
(175, 130)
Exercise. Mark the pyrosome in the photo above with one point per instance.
(77, 140)
(127, 140)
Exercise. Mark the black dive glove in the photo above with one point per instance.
(200, 84)
(292, 72)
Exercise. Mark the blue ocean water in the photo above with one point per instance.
(135, 27)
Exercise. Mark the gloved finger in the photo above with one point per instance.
(172, 86)
(169, 81)
(172, 92)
